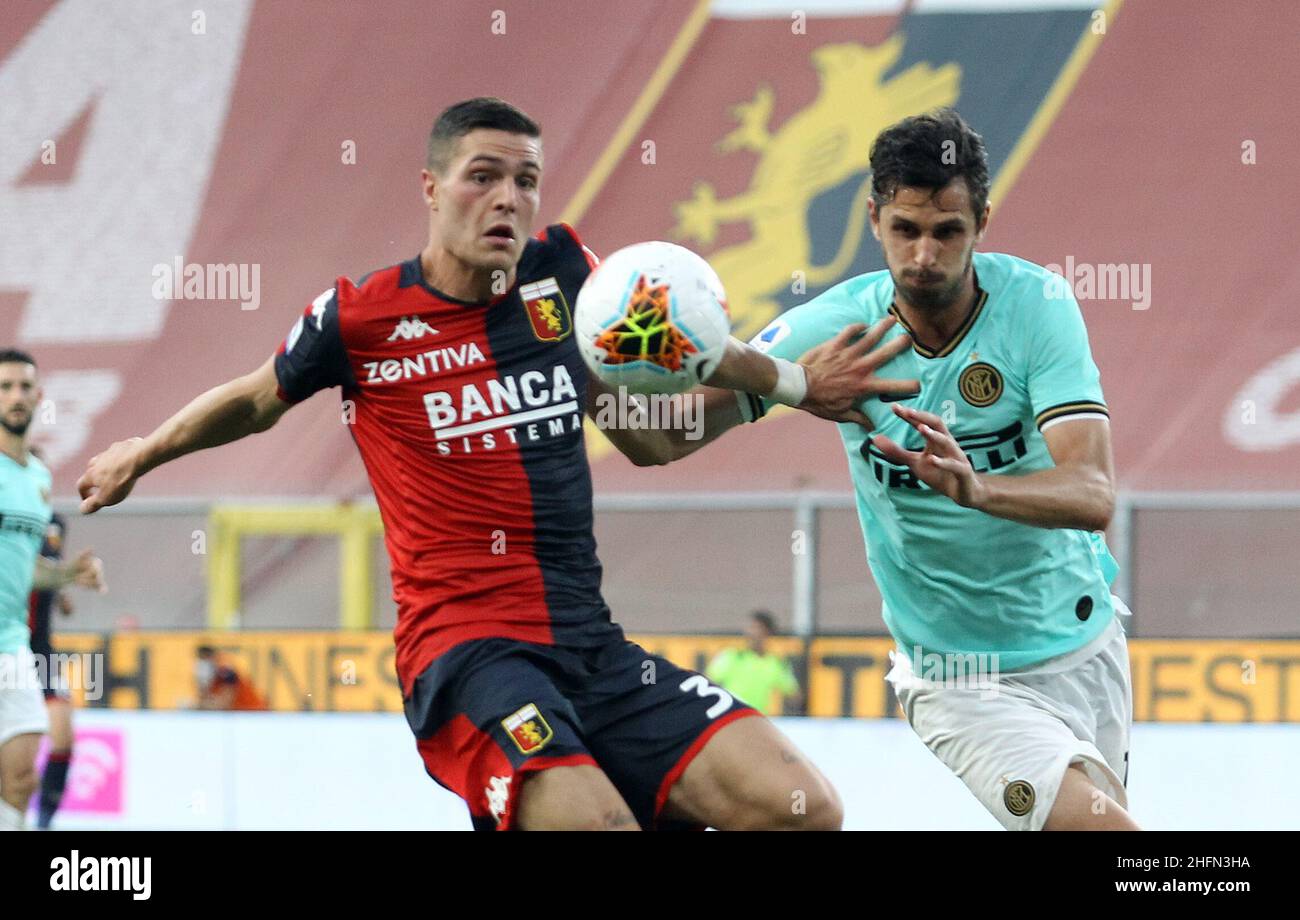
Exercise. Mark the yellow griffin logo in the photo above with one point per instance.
(548, 311)
(813, 152)
(528, 729)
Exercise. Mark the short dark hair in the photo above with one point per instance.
(16, 356)
(929, 151)
(205, 651)
(464, 117)
(766, 618)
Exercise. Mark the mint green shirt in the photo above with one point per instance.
(24, 515)
(955, 580)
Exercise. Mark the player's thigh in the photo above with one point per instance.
(489, 718)
(22, 712)
(1010, 745)
(1081, 806)
(749, 776)
(571, 798)
(1091, 799)
(1112, 698)
(645, 719)
(649, 722)
(18, 761)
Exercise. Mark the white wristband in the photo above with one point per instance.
(791, 383)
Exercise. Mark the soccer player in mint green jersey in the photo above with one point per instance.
(981, 493)
(24, 514)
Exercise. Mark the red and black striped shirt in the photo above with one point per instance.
(468, 417)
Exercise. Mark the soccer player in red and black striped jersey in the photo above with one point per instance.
(467, 398)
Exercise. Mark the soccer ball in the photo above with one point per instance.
(653, 318)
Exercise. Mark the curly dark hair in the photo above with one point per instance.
(929, 151)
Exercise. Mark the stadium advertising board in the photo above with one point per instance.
(1181, 680)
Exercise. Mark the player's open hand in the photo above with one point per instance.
(842, 372)
(941, 464)
(110, 476)
(87, 571)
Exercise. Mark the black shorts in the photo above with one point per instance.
(491, 710)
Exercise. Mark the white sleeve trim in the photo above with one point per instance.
(1073, 418)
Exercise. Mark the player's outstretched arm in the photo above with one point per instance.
(243, 406)
(718, 412)
(829, 380)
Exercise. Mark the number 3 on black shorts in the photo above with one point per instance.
(700, 685)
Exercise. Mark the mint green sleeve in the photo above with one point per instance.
(1063, 380)
(802, 328)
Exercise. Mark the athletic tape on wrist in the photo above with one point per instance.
(791, 383)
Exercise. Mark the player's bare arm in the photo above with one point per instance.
(234, 410)
(839, 375)
(1078, 493)
(653, 447)
(86, 571)
(843, 371)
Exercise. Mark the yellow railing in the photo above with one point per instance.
(355, 527)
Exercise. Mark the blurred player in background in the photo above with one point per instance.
(220, 686)
(752, 673)
(58, 698)
(466, 396)
(1012, 665)
(25, 514)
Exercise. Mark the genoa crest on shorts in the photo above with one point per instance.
(528, 729)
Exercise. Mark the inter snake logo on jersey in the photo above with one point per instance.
(980, 385)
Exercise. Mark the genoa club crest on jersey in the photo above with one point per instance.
(547, 310)
(528, 729)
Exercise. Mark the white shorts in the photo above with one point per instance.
(22, 703)
(1012, 742)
